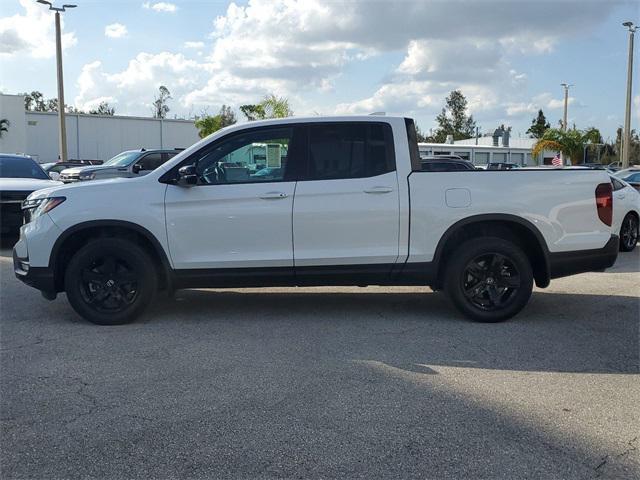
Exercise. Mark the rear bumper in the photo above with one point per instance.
(563, 264)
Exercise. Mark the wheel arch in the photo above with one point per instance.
(507, 226)
(78, 235)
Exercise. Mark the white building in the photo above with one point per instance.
(89, 137)
(483, 150)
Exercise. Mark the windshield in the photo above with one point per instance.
(21, 167)
(123, 159)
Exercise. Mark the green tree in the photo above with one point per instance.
(570, 143)
(160, 107)
(4, 126)
(103, 109)
(209, 124)
(253, 112)
(453, 120)
(35, 102)
(539, 125)
(271, 106)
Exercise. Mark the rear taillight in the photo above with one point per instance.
(604, 202)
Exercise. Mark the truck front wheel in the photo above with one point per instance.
(110, 281)
(488, 279)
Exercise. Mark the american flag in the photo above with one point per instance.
(556, 162)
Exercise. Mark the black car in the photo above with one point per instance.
(445, 164)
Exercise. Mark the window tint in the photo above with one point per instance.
(617, 185)
(349, 150)
(247, 157)
(151, 161)
(21, 167)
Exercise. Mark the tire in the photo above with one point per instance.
(629, 233)
(488, 279)
(110, 281)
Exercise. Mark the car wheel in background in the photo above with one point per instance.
(110, 281)
(489, 279)
(629, 233)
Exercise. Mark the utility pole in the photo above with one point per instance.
(62, 127)
(626, 133)
(566, 87)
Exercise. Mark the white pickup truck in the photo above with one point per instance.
(314, 201)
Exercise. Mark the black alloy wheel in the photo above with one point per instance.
(109, 284)
(629, 233)
(110, 281)
(490, 281)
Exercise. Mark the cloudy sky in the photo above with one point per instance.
(328, 57)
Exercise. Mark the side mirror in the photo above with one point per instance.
(54, 175)
(187, 176)
(136, 168)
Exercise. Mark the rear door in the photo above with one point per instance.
(346, 207)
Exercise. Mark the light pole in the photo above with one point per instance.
(62, 126)
(626, 134)
(566, 87)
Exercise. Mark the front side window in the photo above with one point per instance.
(349, 150)
(247, 157)
(151, 161)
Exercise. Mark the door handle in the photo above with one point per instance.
(273, 195)
(379, 189)
(620, 196)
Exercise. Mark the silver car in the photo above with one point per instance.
(131, 163)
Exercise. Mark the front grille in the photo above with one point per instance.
(14, 196)
(11, 210)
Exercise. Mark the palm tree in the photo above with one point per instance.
(570, 142)
(4, 126)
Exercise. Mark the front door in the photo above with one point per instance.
(239, 214)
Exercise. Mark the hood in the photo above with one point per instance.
(23, 184)
(88, 168)
(59, 188)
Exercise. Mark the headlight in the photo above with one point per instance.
(87, 176)
(39, 206)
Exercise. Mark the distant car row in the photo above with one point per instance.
(126, 164)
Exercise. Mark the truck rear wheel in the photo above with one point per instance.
(489, 279)
(110, 281)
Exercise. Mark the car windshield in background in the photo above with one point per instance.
(21, 167)
(123, 159)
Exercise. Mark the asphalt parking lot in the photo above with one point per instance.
(325, 383)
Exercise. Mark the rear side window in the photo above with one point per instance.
(617, 185)
(349, 150)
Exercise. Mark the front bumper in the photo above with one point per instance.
(563, 264)
(41, 278)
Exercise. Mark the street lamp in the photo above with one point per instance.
(626, 134)
(62, 126)
(566, 87)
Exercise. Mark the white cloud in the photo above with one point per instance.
(296, 48)
(31, 33)
(160, 7)
(115, 30)
(135, 86)
(194, 45)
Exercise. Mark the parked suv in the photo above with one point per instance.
(20, 175)
(132, 163)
